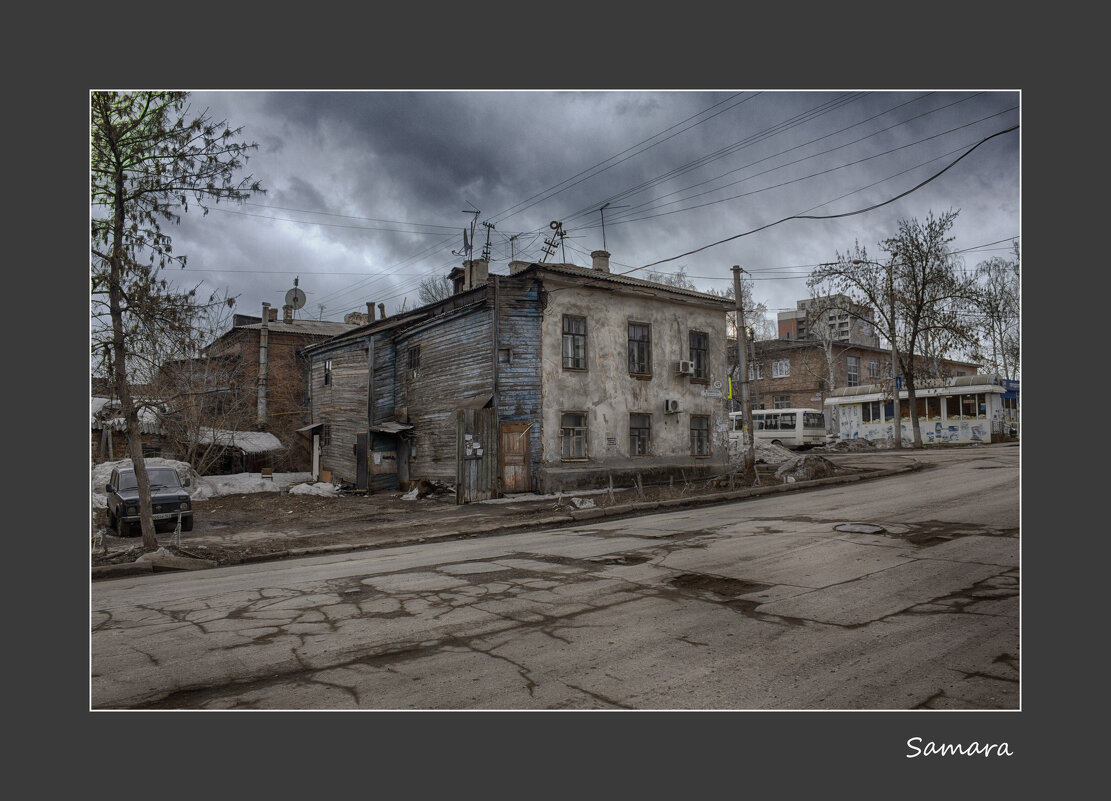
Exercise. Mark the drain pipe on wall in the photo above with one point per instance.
(263, 365)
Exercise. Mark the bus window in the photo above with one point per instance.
(787, 422)
(813, 420)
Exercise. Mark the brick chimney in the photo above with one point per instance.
(287, 313)
(601, 260)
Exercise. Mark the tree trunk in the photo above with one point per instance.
(119, 370)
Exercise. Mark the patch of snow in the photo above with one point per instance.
(204, 487)
(319, 488)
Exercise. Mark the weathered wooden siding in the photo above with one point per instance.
(455, 365)
(518, 379)
(342, 404)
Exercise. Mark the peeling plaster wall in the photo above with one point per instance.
(606, 391)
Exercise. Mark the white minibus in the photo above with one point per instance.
(791, 428)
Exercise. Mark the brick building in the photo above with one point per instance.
(255, 376)
(795, 373)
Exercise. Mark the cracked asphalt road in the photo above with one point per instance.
(760, 604)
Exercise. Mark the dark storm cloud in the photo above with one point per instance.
(368, 192)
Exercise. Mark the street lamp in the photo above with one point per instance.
(898, 423)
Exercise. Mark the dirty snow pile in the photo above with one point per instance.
(204, 487)
(805, 468)
(764, 452)
(319, 488)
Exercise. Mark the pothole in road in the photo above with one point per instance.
(730, 588)
(623, 559)
(860, 528)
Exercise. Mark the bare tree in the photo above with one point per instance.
(148, 160)
(433, 288)
(1000, 306)
(200, 393)
(919, 293)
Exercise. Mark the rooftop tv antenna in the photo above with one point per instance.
(550, 244)
(295, 297)
(468, 244)
(602, 211)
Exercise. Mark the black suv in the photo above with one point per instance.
(169, 500)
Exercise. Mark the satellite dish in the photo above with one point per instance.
(295, 298)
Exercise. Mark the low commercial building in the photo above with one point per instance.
(962, 409)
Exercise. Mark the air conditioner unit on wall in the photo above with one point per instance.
(684, 368)
(671, 406)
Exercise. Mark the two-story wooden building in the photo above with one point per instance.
(552, 377)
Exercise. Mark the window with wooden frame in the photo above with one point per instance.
(574, 342)
(414, 357)
(699, 342)
(700, 435)
(573, 434)
(327, 372)
(640, 434)
(326, 434)
(640, 349)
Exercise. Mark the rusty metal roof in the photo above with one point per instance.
(320, 328)
(573, 270)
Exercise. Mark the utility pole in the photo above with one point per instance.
(742, 365)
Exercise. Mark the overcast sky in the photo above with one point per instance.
(368, 193)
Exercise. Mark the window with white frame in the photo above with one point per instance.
(755, 371)
(781, 368)
(573, 432)
(873, 368)
(700, 435)
(852, 371)
(781, 401)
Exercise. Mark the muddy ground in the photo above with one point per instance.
(233, 529)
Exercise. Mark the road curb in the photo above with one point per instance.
(561, 520)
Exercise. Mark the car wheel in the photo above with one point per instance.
(776, 442)
(187, 523)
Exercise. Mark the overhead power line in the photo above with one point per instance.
(915, 188)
